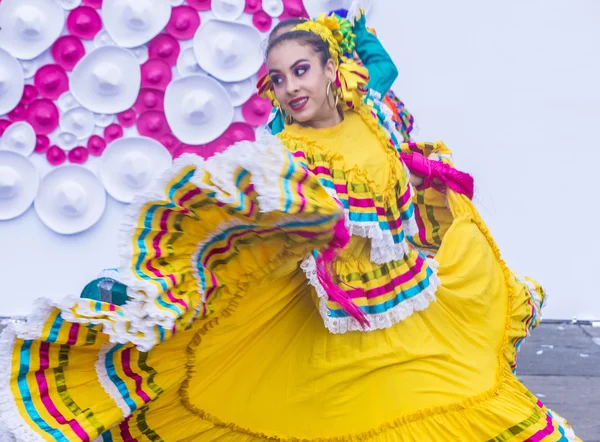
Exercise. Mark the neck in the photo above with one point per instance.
(331, 119)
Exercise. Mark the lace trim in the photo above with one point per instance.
(383, 247)
(104, 380)
(378, 321)
(138, 318)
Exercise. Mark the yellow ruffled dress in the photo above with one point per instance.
(228, 335)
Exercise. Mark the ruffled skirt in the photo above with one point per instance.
(221, 339)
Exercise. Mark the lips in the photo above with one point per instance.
(298, 104)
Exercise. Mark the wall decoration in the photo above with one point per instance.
(118, 88)
(19, 182)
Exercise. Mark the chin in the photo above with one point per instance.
(304, 116)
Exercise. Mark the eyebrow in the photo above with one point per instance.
(297, 62)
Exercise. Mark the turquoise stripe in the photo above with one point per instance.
(24, 358)
(106, 437)
(148, 228)
(58, 322)
(286, 185)
(116, 380)
(401, 297)
(238, 182)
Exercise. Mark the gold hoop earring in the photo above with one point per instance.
(327, 92)
(287, 119)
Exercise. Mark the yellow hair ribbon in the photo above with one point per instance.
(351, 83)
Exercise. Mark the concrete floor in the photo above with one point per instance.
(560, 363)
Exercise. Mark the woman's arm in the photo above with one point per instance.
(382, 70)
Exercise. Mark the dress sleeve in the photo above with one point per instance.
(190, 246)
(382, 70)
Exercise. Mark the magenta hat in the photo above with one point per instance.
(184, 22)
(84, 22)
(30, 93)
(4, 125)
(96, 145)
(149, 99)
(240, 131)
(153, 124)
(56, 156)
(51, 81)
(156, 74)
(96, 4)
(43, 116)
(164, 47)
(42, 143)
(19, 113)
(79, 155)
(256, 110)
(253, 6)
(171, 142)
(200, 5)
(127, 118)
(293, 9)
(112, 132)
(67, 51)
(262, 21)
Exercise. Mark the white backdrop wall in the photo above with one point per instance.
(512, 87)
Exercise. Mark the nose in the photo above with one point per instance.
(292, 86)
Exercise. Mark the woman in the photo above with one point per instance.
(252, 315)
(368, 51)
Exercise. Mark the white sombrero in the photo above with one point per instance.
(12, 82)
(198, 109)
(240, 91)
(19, 138)
(229, 51)
(132, 23)
(187, 64)
(107, 80)
(228, 9)
(70, 200)
(273, 7)
(19, 182)
(78, 121)
(316, 7)
(29, 27)
(130, 165)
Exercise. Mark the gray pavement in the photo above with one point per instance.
(560, 364)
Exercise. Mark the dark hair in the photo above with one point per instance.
(305, 38)
(287, 23)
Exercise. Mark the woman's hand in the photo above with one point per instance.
(417, 180)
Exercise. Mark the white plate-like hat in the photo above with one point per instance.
(316, 7)
(132, 23)
(19, 137)
(130, 165)
(78, 121)
(107, 80)
(29, 27)
(240, 91)
(12, 82)
(228, 9)
(70, 200)
(198, 109)
(229, 51)
(19, 181)
(187, 63)
(273, 7)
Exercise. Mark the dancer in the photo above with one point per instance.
(253, 315)
(369, 52)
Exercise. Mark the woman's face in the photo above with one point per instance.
(300, 81)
